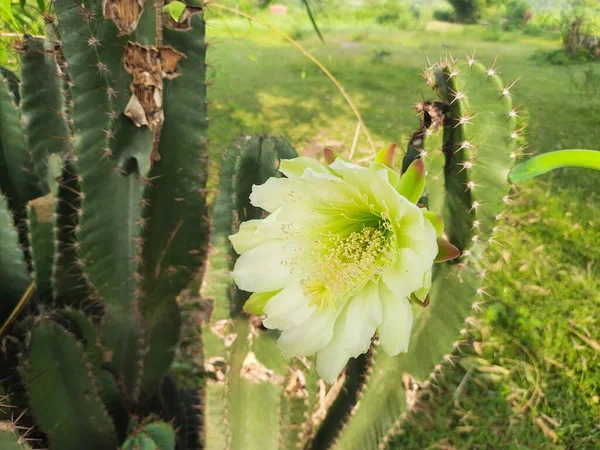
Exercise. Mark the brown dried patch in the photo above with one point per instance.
(169, 58)
(43, 207)
(149, 65)
(216, 366)
(434, 115)
(124, 13)
(7, 426)
(220, 329)
(255, 372)
(296, 386)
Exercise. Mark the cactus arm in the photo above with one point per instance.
(182, 407)
(253, 392)
(13, 270)
(43, 106)
(546, 162)
(435, 161)
(176, 239)
(489, 142)
(63, 393)
(468, 190)
(17, 179)
(41, 239)
(69, 282)
(256, 371)
(151, 436)
(112, 160)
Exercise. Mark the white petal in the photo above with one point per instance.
(276, 192)
(394, 331)
(248, 237)
(263, 268)
(406, 276)
(288, 308)
(294, 168)
(311, 335)
(429, 247)
(374, 183)
(421, 293)
(353, 331)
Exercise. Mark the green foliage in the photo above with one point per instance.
(518, 14)
(468, 11)
(444, 15)
(398, 14)
(581, 28)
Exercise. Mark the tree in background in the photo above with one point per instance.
(469, 11)
(581, 28)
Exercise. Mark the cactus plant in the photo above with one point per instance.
(104, 221)
(103, 218)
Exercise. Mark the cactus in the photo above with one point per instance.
(468, 141)
(104, 222)
(254, 400)
(10, 438)
(149, 436)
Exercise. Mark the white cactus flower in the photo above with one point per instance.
(338, 258)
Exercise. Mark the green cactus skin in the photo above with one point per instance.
(17, 178)
(13, 270)
(10, 438)
(70, 286)
(41, 238)
(182, 406)
(112, 159)
(56, 368)
(42, 106)
(178, 231)
(150, 436)
(114, 233)
(467, 160)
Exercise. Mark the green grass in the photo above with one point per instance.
(543, 275)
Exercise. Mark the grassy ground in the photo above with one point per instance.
(531, 380)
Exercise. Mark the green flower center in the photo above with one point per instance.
(341, 264)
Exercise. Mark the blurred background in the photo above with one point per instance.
(529, 377)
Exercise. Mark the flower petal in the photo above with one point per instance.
(276, 192)
(263, 268)
(353, 331)
(406, 276)
(375, 185)
(311, 335)
(294, 168)
(288, 308)
(394, 331)
(248, 237)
